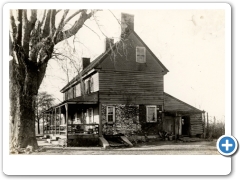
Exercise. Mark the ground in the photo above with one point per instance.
(149, 148)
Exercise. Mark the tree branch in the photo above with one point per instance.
(13, 27)
(57, 11)
(92, 30)
(74, 29)
(60, 25)
(33, 16)
(19, 27)
(43, 19)
(46, 25)
(73, 15)
(25, 33)
(52, 23)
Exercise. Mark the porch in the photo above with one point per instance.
(74, 122)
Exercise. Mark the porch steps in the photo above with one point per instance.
(125, 139)
(118, 141)
(115, 144)
(103, 142)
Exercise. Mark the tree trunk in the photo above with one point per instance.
(22, 99)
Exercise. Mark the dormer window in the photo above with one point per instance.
(141, 54)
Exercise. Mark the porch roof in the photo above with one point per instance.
(174, 105)
(86, 99)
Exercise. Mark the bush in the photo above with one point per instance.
(216, 130)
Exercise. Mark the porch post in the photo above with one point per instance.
(43, 122)
(51, 122)
(60, 119)
(66, 107)
(175, 126)
(55, 119)
(180, 125)
(204, 125)
(100, 119)
(52, 132)
(48, 123)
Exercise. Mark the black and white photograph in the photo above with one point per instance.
(116, 82)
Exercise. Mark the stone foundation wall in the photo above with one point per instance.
(126, 120)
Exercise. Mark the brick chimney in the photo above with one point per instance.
(85, 62)
(109, 42)
(127, 23)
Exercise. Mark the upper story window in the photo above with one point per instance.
(141, 54)
(78, 90)
(89, 86)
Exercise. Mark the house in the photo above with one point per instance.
(121, 92)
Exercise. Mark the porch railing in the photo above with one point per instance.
(72, 129)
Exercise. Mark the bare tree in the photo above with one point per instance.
(44, 101)
(32, 42)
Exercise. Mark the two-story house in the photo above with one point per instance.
(121, 92)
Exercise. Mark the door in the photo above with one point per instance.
(186, 125)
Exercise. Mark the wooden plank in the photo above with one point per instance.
(100, 119)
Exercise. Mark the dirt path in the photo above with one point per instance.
(150, 148)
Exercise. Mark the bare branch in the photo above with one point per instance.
(57, 11)
(73, 15)
(74, 29)
(119, 22)
(52, 23)
(43, 18)
(46, 25)
(25, 33)
(92, 30)
(99, 26)
(19, 27)
(33, 17)
(60, 25)
(13, 27)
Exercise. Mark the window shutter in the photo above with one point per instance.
(91, 85)
(78, 90)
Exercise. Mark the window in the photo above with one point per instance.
(70, 93)
(141, 54)
(110, 114)
(64, 96)
(74, 91)
(151, 114)
(91, 85)
(90, 115)
(78, 90)
(87, 86)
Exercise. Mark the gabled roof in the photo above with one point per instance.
(101, 57)
(172, 104)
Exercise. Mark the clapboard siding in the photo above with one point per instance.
(172, 104)
(131, 87)
(124, 57)
(196, 124)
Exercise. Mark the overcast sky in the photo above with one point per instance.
(190, 43)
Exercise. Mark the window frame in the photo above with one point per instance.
(113, 114)
(140, 47)
(78, 90)
(155, 111)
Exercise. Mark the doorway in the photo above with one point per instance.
(186, 125)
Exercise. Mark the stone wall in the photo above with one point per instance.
(126, 120)
(129, 120)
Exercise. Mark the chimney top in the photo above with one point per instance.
(85, 62)
(127, 23)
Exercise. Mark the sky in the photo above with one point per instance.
(190, 43)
